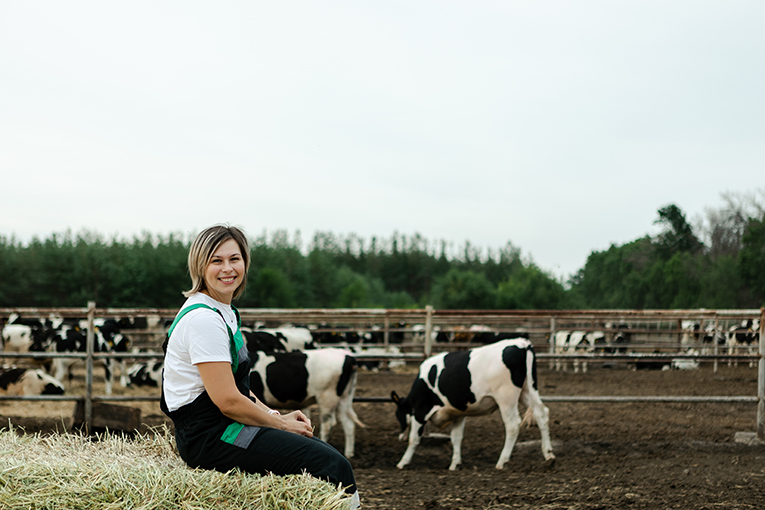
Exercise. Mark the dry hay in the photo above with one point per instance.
(77, 472)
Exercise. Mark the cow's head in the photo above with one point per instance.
(403, 412)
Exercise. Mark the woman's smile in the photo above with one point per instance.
(223, 271)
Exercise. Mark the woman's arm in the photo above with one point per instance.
(261, 404)
(220, 385)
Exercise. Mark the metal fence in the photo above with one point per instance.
(656, 335)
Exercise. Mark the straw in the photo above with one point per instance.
(110, 472)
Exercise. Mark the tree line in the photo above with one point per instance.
(716, 264)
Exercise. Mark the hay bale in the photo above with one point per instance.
(78, 472)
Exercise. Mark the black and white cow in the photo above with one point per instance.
(282, 339)
(694, 337)
(325, 337)
(150, 329)
(364, 349)
(452, 386)
(146, 374)
(489, 337)
(395, 334)
(576, 342)
(373, 365)
(28, 334)
(33, 335)
(17, 338)
(342, 338)
(19, 381)
(621, 337)
(69, 338)
(298, 379)
(668, 364)
(278, 339)
(436, 335)
(745, 336)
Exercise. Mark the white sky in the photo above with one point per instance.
(559, 126)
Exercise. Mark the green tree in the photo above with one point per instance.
(752, 261)
(12, 267)
(615, 278)
(678, 235)
(271, 289)
(721, 285)
(530, 288)
(460, 289)
(324, 278)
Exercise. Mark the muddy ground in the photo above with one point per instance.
(609, 455)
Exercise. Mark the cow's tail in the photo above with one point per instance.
(531, 368)
(530, 391)
(351, 393)
(347, 383)
(528, 418)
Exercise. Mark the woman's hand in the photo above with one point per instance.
(220, 386)
(297, 423)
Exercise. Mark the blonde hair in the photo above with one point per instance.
(204, 247)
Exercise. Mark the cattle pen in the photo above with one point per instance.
(656, 336)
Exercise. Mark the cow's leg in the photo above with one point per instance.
(559, 363)
(60, 367)
(345, 415)
(415, 431)
(731, 350)
(108, 375)
(576, 363)
(124, 379)
(509, 410)
(328, 418)
(458, 432)
(541, 415)
(57, 371)
(565, 364)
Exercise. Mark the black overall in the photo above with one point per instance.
(207, 439)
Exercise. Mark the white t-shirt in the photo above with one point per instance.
(199, 337)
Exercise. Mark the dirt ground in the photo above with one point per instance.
(609, 455)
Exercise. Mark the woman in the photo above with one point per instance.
(219, 423)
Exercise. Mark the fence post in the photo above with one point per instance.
(680, 335)
(89, 340)
(714, 339)
(761, 381)
(386, 333)
(552, 341)
(428, 330)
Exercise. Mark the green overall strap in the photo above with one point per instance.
(233, 347)
(236, 342)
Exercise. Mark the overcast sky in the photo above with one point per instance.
(559, 126)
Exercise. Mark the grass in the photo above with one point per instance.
(110, 472)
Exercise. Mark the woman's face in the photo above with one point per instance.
(225, 272)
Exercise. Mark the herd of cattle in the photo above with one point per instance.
(742, 338)
(292, 370)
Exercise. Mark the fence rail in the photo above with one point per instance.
(664, 327)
